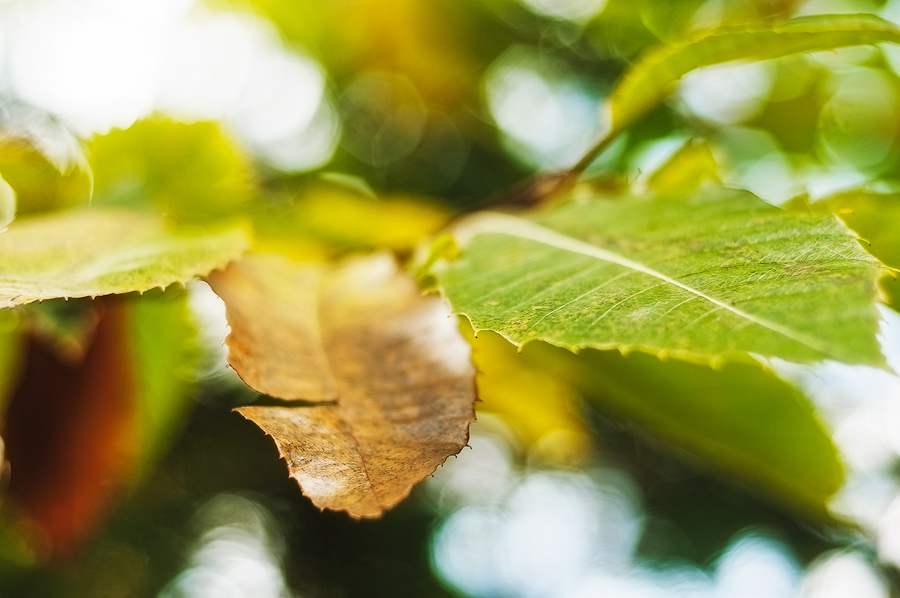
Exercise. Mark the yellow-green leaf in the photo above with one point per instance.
(741, 420)
(95, 252)
(191, 172)
(717, 274)
(649, 81)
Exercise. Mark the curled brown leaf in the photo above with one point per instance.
(390, 362)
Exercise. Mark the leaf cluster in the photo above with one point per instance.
(663, 306)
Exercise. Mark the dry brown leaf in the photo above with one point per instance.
(391, 362)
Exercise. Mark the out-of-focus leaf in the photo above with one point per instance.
(64, 416)
(70, 433)
(7, 203)
(875, 217)
(99, 252)
(11, 351)
(740, 419)
(332, 221)
(39, 183)
(421, 40)
(890, 285)
(190, 172)
(537, 404)
(714, 275)
(649, 81)
(163, 342)
(361, 337)
(687, 169)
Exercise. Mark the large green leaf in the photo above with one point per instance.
(651, 80)
(715, 274)
(741, 420)
(99, 252)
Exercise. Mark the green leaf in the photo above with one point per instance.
(7, 203)
(650, 81)
(43, 180)
(335, 221)
(99, 252)
(166, 355)
(189, 172)
(874, 217)
(687, 169)
(715, 275)
(741, 420)
(11, 354)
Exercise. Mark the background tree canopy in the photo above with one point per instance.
(655, 245)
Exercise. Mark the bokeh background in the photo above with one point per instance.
(436, 107)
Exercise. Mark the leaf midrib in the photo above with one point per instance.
(336, 388)
(501, 224)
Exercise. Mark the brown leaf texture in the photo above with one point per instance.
(391, 363)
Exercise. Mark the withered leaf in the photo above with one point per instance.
(389, 365)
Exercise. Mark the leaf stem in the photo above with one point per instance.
(592, 154)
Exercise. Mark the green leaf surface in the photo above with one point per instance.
(189, 172)
(650, 81)
(166, 355)
(740, 420)
(716, 274)
(95, 252)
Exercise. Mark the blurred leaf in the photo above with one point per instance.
(685, 171)
(163, 342)
(76, 440)
(11, 351)
(619, 30)
(890, 285)
(715, 275)
(537, 404)
(649, 81)
(190, 172)
(40, 184)
(740, 419)
(390, 363)
(422, 40)
(98, 252)
(334, 221)
(7, 203)
(669, 19)
(70, 433)
(874, 217)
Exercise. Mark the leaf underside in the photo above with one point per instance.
(389, 365)
(88, 253)
(712, 275)
(740, 419)
(650, 80)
